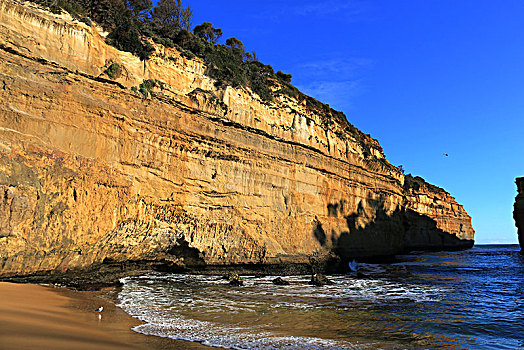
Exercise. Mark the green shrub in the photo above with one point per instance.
(148, 84)
(291, 91)
(113, 71)
(188, 54)
(143, 91)
(146, 87)
(286, 78)
(72, 7)
(166, 42)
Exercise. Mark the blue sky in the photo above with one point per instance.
(424, 77)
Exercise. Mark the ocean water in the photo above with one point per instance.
(471, 299)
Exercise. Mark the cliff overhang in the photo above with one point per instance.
(188, 175)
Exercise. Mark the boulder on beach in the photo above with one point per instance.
(279, 281)
(234, 279)
(319, 279)
(361, 275)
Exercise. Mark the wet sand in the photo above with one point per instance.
(41, 317)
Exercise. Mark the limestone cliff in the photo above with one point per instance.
(188, 175)
(518, 210)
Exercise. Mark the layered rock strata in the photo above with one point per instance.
(518, 210)
(186, 174)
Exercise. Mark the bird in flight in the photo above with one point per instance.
(446, 155)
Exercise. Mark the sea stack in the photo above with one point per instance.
(518, 210)
(109, 159)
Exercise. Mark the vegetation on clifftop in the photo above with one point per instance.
(132, 24)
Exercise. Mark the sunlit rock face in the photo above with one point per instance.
(191, 175)
(518, 210)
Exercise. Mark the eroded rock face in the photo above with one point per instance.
(91, 171)
(518, 210)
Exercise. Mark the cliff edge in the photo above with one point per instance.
(156, 164)
(518, 210)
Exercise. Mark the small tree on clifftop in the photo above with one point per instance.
(234, 43)
(169, 17)
(140, 8)
(237, 47)
(207, 32)
(285, 77)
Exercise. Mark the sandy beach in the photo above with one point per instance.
(42, 317)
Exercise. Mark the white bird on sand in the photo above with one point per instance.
(353, 265)
(100, 309)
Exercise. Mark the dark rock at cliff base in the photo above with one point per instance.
(280, 282)
(235, 280)
(319, 279)
(361, 275)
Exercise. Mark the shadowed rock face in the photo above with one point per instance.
(518, 210)
(193, 176)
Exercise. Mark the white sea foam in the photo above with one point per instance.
(440, 301)
(170, 305)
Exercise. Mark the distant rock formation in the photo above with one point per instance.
(189, 174)
(518, 210)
